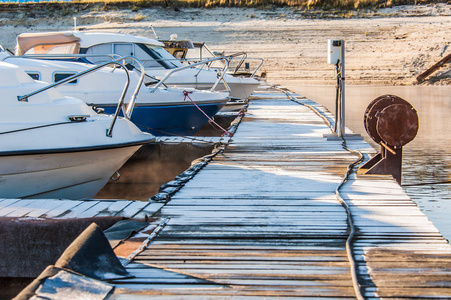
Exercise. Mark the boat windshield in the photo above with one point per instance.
(150, 55)
(200, 52)
(161, 55)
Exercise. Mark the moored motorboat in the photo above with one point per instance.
(160, 111)
(52, 146)
(188, 52)
(157, 61)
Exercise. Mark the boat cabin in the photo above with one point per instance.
(178, 49)
(150, 52)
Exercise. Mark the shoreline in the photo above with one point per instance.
(389, 46)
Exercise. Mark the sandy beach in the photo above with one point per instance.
(383, 47)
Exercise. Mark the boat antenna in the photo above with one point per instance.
(75, 23)
(154, 33)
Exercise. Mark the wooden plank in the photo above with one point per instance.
(94, 210)
(17, 209)
(6, 202)
(149, 210)
(40, 207)
(62, 209)
(77, 210)
(115, 207)
(133, 209)
(205, 295)
(333, 208)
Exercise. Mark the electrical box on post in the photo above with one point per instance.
(334, 51)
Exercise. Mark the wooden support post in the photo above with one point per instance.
(422, 76)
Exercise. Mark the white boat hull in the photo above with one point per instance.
(68, 175)
(237, 90)
(53, 146)
(240, 87)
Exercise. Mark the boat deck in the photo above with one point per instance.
(261, 220)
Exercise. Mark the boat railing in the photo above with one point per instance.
(131, 103)
(120, 104)
(241, 56)
(237, 70)
(221, 71)
(201, 64)
(128, 111)
(244, 60)
(62, 55)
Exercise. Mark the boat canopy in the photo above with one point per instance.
(47, 42)
(70, 42)
(91, 38)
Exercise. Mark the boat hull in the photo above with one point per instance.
(179, 119)
(64, 175)
(237, 90)
(240, 88)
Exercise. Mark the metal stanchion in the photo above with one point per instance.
(336, 56)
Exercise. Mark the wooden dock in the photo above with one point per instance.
(261, 220)
(75, 209)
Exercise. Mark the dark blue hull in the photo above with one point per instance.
(170, 119)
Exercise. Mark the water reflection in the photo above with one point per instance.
(427, 159)
(153, 165)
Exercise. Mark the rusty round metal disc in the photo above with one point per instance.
(397, 124)
(373, 110)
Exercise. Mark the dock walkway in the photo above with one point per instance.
(262, 220)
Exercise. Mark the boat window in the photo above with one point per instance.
(146, 59)
(159, 54)
(201, 52)
(99, 49)
(194, 54)
(179, 54)
(60, 76)
(123, 49)
(151, 56)
(35, 76)
(69, 48)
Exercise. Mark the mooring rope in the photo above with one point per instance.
(350, 239)
(167, 190)
(146, 242)
(186, 94)
(350, 220)
(175, 135)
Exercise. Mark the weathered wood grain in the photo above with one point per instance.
(262, 219)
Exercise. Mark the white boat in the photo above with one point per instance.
(52, 146)
(157, 61)
(188, 52)
(160, 111)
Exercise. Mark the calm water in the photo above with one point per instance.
(427, 159)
